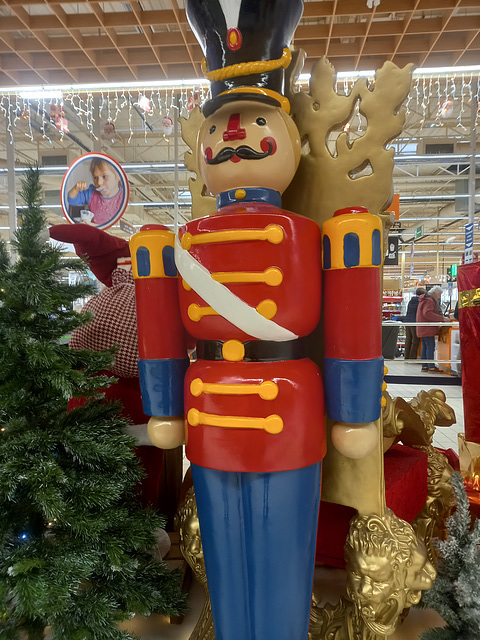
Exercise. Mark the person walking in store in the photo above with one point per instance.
(429, 310)
(411, 339)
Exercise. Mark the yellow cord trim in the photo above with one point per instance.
(247, 68)
(271, 424)
(273, 233)
(267, 390)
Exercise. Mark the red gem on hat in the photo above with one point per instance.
(234, 39)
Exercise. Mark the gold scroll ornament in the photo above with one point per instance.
(470, 298)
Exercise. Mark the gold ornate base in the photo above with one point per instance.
(387, 568)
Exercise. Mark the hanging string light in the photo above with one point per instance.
(27, 111)
(462, 103)
(477, 98)
(130, 116)
(423, 105)
(436, 100)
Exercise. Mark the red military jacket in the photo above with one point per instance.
(252, 413)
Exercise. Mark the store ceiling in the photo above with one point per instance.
(51, 42)
(65, 43)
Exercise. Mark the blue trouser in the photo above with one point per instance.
(428, 351)
(258, 534)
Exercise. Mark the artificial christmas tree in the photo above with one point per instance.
(455, 594)
(75, 546)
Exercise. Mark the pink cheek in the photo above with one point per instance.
(265, 146)
(208, 153)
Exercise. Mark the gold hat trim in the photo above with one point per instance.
(469, 298)
(247, 68)
(284, 102)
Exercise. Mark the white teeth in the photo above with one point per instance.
(99, 188)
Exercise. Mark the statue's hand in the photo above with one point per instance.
(167, 433)
(354, 440)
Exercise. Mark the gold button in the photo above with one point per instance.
(240, 194)
(186, 241)
(267, 309)
(233, 351)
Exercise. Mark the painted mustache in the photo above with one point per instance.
(243, 152)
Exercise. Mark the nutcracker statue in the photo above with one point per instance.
(249, 291)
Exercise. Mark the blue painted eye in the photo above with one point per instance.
(261, 122)
(213, 128)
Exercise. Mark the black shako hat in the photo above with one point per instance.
(245, 44)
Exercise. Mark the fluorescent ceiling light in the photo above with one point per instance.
(41, 90)
(433, 70)
(35, 91)
(432, 197)
(431, 219)
(39, 93)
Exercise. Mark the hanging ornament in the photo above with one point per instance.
(167, 126)
(24, 116)
(108, 130)
(57, 114)
(193, 101)
(144, 103)
(61, 124)
(446, 108)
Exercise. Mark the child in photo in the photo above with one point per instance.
(104, 197)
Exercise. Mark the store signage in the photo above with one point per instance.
(127, 227)
(395, 206)
(469, 242)
(475, 257)
(419, 232)
(391, 257)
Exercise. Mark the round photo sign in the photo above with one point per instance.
(94, 191)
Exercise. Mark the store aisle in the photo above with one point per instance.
(330, 582)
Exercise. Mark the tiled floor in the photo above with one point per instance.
(331, 581)
(445, 437)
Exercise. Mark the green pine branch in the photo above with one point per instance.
(76, 549)
(456, 591)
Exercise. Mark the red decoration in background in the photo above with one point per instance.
(57, 114)
(167, 126)
(446, 108)
(109, 130)
(193, 101)
(468, 279)
(144, 103)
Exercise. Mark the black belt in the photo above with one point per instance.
(255, 350)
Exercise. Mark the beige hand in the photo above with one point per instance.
(167, 433)
(354, 440)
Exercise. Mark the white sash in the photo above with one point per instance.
(226, 303)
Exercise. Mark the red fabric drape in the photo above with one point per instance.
(468, 279)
